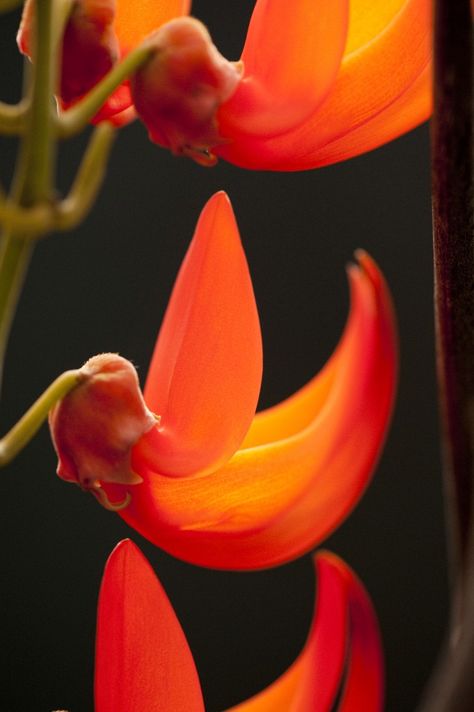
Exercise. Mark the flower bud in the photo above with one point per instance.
(95, 426)
(89, 49)
(178, 92)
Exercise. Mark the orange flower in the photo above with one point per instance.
(321, 82)
(226, 488)
(143, 662)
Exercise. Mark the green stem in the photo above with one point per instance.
(32, 221)
(7, 5)
(90, 175)
(33, 176)
(76, 119)
(21, 433)
(12, 118)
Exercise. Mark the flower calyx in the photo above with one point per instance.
(89, 47)
(178, 92)
(95, 426)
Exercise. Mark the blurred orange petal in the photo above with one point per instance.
(343, 650)
(383, 89)
(206, 370)
(307, 461)
(135, 20)
(143, 662)
(281, 86)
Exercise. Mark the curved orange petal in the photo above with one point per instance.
(364, 684)
(206, 370)
(382, 90)
(344, 626)
(272, 502)
(143, 662)
(135, 20)
(291, 57)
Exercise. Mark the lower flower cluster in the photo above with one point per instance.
(191, 466)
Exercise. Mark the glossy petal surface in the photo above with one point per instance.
(206, 370)
(304, 463)
(291, 57)
(143, 662)
(134, 21)
(383, 89)
(344, 633)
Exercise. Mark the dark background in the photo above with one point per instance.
(104, 288)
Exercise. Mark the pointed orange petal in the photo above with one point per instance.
(135, 20)
(272, 502)
(393, 62)
(143, 662)
(206, 371)
(291, 57)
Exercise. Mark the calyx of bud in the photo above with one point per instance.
(89, 49)
(95, 426)
(178, 92)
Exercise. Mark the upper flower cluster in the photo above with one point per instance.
(317, 82)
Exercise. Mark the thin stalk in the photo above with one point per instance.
(72, 210)
(33, 176)
(21, 433)
(76, 118)
(12, 118)
(451, 688)
(7, 5)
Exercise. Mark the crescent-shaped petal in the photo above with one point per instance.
(343, 649)
(291, 57)
(272, 502)
(135, 20)
(383, 89)
(143, 662)
(206, 370)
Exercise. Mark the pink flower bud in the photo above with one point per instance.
(90, 47)
(178, 92)
(96, 425)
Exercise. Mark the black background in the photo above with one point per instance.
(104, 287)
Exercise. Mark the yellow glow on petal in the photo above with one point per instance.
(368, 18)
(135, 20)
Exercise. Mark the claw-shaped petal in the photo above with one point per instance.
(304, 463)
(143, 662)
(382, 89)
(343, 651)
(291, 57)
(206, 370)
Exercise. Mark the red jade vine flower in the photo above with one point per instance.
(317, 82)
(143, 662)
(221, 486)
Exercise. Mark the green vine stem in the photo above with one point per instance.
(72, 210)
(12, 118)
(33, 176)
(452, 686)
(77, 117)
(65, 214)
(21, 433)
(7, 5)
